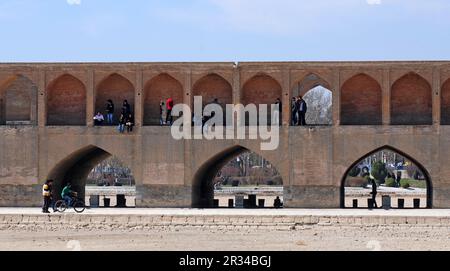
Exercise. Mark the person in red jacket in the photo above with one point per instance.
(169, 106)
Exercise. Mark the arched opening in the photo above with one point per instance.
(117, 88)
(361, 98)
(262, 89)
(93, 171)
(318, 96)
(239, 175)
(411, 101)
(214, 88)
(445, 103)
(158, 90)
(17, 100)
(66, 102)
(398, 176)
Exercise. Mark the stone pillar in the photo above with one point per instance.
(90, 98)
(336, 98)
(188, 100)
(34, 101)
(286, 99)
(42, 100)
(236, 89)
(436, 96)
(386, 97)
(138, 99)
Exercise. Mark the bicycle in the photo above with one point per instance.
(77, 204)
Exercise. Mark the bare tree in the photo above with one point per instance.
(319, 100)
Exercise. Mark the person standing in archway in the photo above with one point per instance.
(294, 109)
(127, 107)
(162, 113)
(110, 112)
(169, 106)
(302, 108)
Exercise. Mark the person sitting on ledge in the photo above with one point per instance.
(277, 203)
(98, 119)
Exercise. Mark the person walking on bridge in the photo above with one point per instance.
(374, 193)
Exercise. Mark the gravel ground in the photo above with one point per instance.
(308, 238)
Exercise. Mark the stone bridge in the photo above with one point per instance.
(47, 131)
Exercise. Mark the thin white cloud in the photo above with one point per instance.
(74, 2)
(374, 2)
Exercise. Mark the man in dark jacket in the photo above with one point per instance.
(110, 112)
(302, 109)
(374, 192)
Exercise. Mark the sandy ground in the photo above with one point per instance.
(311, 238)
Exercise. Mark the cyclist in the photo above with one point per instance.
(66, 194)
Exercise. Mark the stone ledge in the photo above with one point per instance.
(89, 221)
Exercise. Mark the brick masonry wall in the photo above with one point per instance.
(361, 101)
(117, 88)
(66, 101)
(411, 101)
(160, 89)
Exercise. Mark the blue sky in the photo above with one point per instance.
(223, 30)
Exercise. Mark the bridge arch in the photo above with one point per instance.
(429, 184)
(66, 101)
(317, 93)
(411, 101)
(117, 88)
(361, 101)
(18, 99)
(445, 103)
(213, 86)
(261, 89)
(158, 89)
(75, 168)
(202, 184)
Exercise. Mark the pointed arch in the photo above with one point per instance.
(202, 183)
(317, 93)
(308, 83)
(75, 168)
(445, 103)
(158, 89)
(66, 101)
(261, 89)
(411, 101)
(18, 99)
(361, 101)
(213, 86)
(117, 88)
(390, 148)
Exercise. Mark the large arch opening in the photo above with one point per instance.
(237, 175)
(262, 89)
(158, 90)
(398, 176)
(318, 96)
(445, 103)
(117, 88)
(66, 102)
(17, 100)
(213, 88)
(361, 99)
(93, 171)
(411, 101)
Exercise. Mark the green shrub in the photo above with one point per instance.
(390, 182)
(379, 171)
(405, 184)
(354, 172)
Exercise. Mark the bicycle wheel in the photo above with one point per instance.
(79, 207)
(61, 206)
